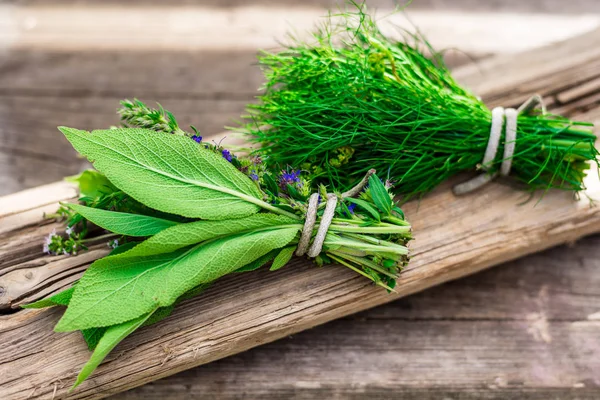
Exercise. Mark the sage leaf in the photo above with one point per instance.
(92, 183)
(92, 336)
(183, 235)
(380, 195)
(60, 299)
(117, 289)
(169, 173)
(122, 248)
(113, 336)
(284, 256)
(123, 223)
(259, 262)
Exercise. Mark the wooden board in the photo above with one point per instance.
(528, 329)
(563, 80)
(311, 295)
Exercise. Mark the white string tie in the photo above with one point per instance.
(501, 118)
(325, 222)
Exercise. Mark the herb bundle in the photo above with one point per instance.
(351, 99)
(186, 213)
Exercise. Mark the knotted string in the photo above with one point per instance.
(499, 115)
(325, 222)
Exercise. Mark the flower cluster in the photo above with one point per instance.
(55, 244)
(137, 114)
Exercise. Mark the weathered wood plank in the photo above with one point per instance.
(511, 6)
(449, 247)
(195, 27)
(523, 330)
(453, 241)
(33, 152)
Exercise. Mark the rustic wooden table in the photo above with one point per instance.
(529, 329)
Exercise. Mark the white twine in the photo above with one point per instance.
(328, 214)
(499, 115)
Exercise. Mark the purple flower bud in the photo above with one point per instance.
(351, 208)
(197, 139)
(226, 155)
(254, 177)
(289, 178)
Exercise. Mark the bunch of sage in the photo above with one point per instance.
(201, 218)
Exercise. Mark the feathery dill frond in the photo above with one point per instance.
(351, 99)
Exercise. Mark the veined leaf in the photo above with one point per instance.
(122, 248)
(92, 336)
(190, 233)
(284, 256)
(117, 289)
(92, 183)
(169, 173)
(259, 262)
(123, 223)
(110, 339)
(59, 299)
(380, 195)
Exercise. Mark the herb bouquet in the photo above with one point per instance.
(352, 99)
(186, 213)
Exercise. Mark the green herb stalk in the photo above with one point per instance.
(185, 214)
(352, 99)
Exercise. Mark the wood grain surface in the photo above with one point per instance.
(523, 330)
(456, 237)
(527, 330)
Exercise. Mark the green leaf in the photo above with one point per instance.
(59, 299)
(270, 184)
(92, 183)
(92, 336)
(399, 211)
(123, 223)
(169, 173)
(122, 248)
(192, 293)
(380, 195)
(365, 206)
(259, 262)
(116, 289)
(183, 235)
(110, 339)
(284, 256)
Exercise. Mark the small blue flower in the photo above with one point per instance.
(254, 177)
(197, 138)
(226, 154)
(289, 178)
(351, 208)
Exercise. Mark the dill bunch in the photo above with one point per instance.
(351, 99)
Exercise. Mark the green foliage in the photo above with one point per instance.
(91, 183)
(184, 235)
(123, 223)
(168, 173)
(111, 337)
(60, 299)
(352, 99)
(284, 256)
(118, 288)
(135, 113)
(380, 195)
(156, 185)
